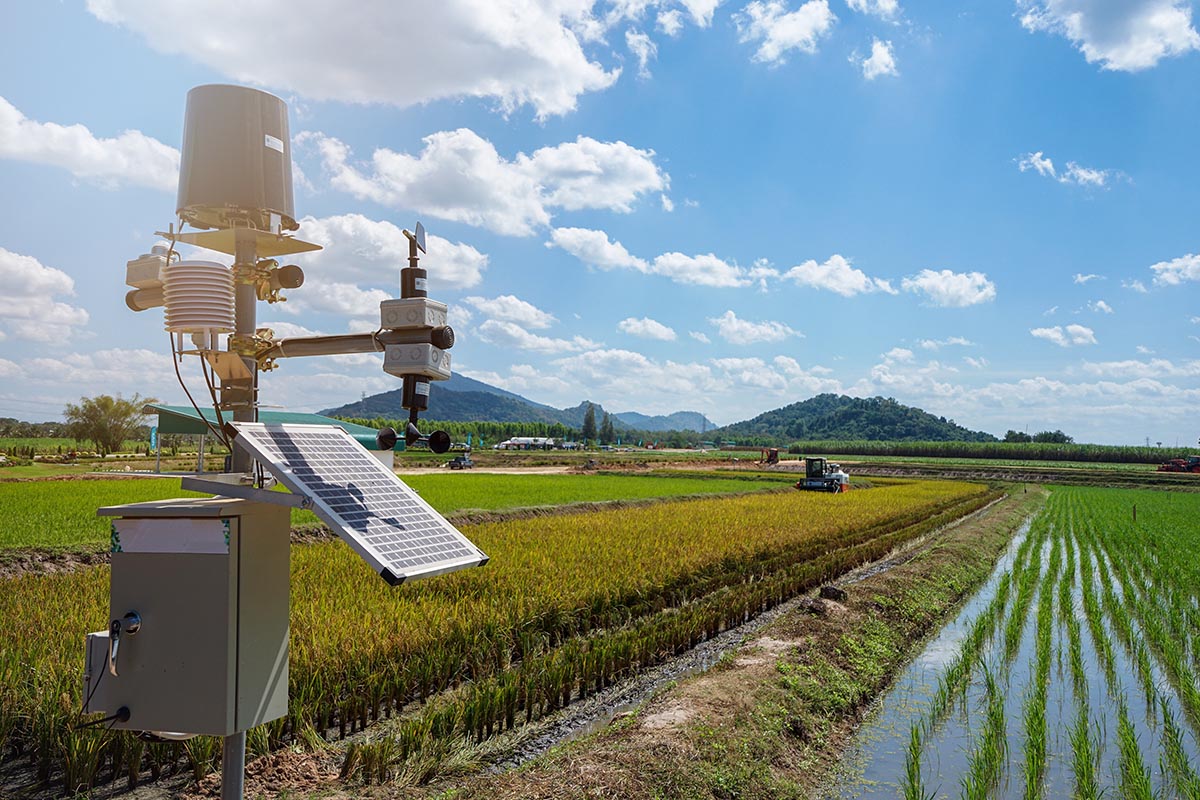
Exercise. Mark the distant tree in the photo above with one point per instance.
(105, 421)
(607, 433)
(1017, 436)
(1053, 437)
(589, 423)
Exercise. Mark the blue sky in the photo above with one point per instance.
(987, 210)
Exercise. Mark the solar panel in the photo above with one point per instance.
(383, 519)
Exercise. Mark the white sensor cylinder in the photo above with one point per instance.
(199, 298)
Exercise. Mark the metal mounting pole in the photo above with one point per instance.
(233, 766)
(245, 301)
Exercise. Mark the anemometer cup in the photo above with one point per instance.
(438, 441)
(386, 438)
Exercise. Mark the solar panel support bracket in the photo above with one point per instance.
(227, 489)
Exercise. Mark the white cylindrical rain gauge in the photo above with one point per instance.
(199, 300)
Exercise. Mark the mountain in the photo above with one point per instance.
(830, 416)
(463, 399)
(679, 421)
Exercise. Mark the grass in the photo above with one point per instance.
(63, 513)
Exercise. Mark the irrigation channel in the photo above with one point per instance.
(1071, 673)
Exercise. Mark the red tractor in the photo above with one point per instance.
(1189, 464)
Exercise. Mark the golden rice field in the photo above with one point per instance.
(566, 605)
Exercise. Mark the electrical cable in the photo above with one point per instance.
(122, 715)
(175, 362)
(91, 693)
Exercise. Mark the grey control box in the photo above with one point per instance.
(198, 641)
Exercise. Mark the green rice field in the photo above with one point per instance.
(63, 513)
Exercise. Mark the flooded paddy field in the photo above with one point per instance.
(1072, 672)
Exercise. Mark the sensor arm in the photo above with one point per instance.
(296, 346)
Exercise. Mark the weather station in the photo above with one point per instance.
(197, 640)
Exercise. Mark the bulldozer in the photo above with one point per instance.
(1188, 464)
(821, 475)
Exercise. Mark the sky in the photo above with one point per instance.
(985, 209)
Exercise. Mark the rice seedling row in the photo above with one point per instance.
(567, 605)
(1120, 595)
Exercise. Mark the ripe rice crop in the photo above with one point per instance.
(567, 605)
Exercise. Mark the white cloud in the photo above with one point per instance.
(28, 305)
(1134, 285)
(740, 331)
(335, 297)
(613, 376)
(1144, 351)
(952, 289)
(1176, 271)
(884, 9)
(510, 51)
(461, 177)
(1129, 36)
(701, 10)
(10, 370)
(751, 372)
(953, 341)
(132, 158)
(882, 61)
(977, 363)
(1050, 312)
(646, 328)
(1081, 279)
(1100, 307)
(1157, 368)
(594, 249)
(508, 308)
(373, 251)
(670, 22)
(1066, 337)
(836, 275)
(779, 30)
(1075, 174)
(668, 204)
(700, 337)
(899, 354)
(701, 270)
(510, 334)
(117, 370)
(643, 48)
(1039, 163)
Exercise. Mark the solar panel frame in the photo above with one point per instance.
(350, 490)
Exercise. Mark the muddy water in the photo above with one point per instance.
(874, 765)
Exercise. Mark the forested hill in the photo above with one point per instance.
(831, 416)
(462, 399)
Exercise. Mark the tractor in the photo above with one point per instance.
(823, 476)
(1189, 464)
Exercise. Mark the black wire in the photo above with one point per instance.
(91, 693)
(212, 392)
(175, 362)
